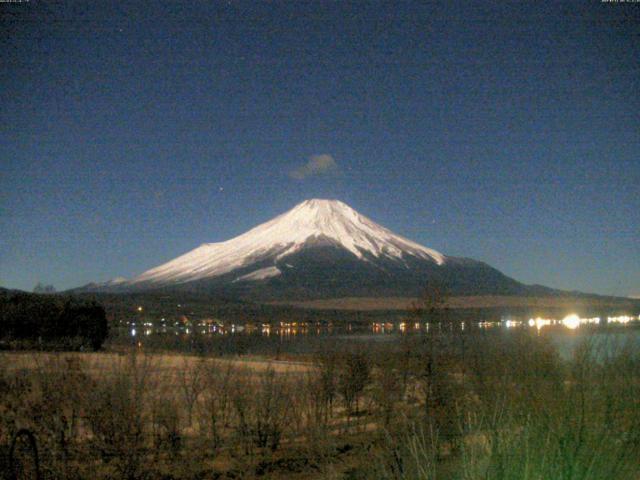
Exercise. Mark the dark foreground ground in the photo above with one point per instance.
(451, 404)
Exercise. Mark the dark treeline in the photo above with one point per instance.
(51, 321)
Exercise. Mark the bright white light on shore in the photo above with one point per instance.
(621, 319)
(139, 309)
(540, 322)
(133, 332)
(571, 321)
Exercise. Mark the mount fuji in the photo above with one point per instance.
(318, 249)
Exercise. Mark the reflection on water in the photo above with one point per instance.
(574, 321)
(292, 329)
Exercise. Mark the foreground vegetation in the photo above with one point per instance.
(449, 404)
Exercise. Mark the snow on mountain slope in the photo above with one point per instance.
(308, 222)
(260, 274)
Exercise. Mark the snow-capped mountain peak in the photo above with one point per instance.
(309, 222)
(337, 221)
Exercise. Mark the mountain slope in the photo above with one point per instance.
(319, 249)
(313, 222)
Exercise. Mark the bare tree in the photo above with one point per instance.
(191, 379)
(388, 387)
(353, 376)
(216, 405)
(261, 407)
(117, 414)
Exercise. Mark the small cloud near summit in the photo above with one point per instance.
(317, 165)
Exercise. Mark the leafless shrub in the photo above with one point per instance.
(307, 420)
(165, 424)
(117, 414)
(191, 379)
(216, 406)
(261, 406)
(326, 381)
(60, 383)
(272, 402)
(354, 370)
(410, 454)
(16, 389)
(387, 388)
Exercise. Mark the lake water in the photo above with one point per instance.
(606, 331)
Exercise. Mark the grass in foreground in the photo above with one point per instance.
(455, 405)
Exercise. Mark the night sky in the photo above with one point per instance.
(509, 132)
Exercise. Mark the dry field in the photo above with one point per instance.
(446, 406)
(166, 362)
(107, 415)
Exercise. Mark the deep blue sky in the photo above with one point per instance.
(132, 132)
